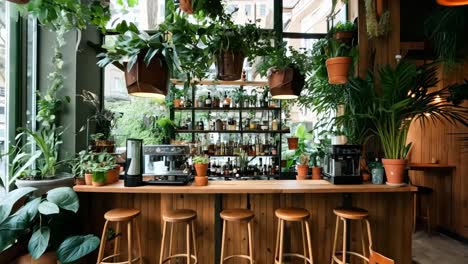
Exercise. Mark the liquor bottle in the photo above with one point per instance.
(274, 124)
(269, 167)
(218, 170)
(258, 147)
(208, 101)
(234, 169)
(230, 168)
(213, 168)
(226, 101)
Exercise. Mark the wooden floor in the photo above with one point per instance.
(438, 249)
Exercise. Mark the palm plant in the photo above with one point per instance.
(406, 96)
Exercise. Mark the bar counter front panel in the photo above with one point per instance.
(390, 214)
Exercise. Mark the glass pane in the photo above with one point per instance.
(303, 16)
(250, 11)
(4, 38)
(300, 43)
(146, 14)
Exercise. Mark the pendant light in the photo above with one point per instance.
(150, 80)
(452, 2)
(285, 84)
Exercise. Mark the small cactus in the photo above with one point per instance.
(304, 159)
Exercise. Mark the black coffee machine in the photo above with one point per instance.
(341, 164)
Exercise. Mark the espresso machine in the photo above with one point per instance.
(166, 164)
(341, 164)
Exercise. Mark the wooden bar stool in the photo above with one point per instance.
(350, 214)
(119, 216)
(181, 216)
(423, 202)
(293, 215)
(237, 215)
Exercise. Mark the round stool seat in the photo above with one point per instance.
(292, 214)
(351, 213)
(237, 215)
(180, 215)
(121, 214)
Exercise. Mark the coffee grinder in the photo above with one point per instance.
(134, 163)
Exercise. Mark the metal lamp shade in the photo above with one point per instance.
(148, 80)
(286, 83)
(452, 2)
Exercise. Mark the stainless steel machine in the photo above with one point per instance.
(167, 164)
(341, 164)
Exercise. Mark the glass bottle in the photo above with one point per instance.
(208, 101)
(226, 101)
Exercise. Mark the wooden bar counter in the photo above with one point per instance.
(390, 210)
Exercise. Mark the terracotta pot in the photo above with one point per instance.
(47, 258)
(366, 176)
(229, 65)
(201, 169)
(285, 84)
(13, 252)
(148, 80)
(88, 178)
(344, 36)
(80, 181)
(293, 142)
(201, 181)
(177, 103)
(97, 184)
(316, 173)
(302, 171)
(186, 6)
(394, 170)
(112, 176)
(338, 69)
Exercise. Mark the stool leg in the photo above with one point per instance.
(369, 235)
(309, 243)
(171, 232)
(344, 241)
(428, 213)
(281, 242)
(277, 240)
(129, 241)
(188, 242)
(161, 256)
(137, 230)
(335, 239)
(194, 238)
(103, 243)
(117, 241)
(415, 211)
(249, 229)
(363, 231)
(221, 261)
(304, 241)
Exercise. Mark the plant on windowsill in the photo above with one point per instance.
(201, 167)
(406, 97)
(42, 223)
(286, 70)
(146, 60)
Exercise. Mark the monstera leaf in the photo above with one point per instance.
(74, 248)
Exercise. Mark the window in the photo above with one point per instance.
(146, 14)
(253, 10)
(4, 82)
(248, 10)
(262, 10)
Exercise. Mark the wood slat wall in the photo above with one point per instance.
(390, 216)
(436, 141)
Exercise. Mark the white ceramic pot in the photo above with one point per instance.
(43, 186)
(339, 140)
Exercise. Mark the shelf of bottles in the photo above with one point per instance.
(237, 126)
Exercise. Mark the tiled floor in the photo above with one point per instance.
(438, 249)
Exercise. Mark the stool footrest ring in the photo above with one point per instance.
(294, 255)
(237, 256)
(338, 260)
(121, 262)
(181, 255)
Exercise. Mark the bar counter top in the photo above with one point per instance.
(254, 186)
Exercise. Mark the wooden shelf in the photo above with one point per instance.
(257, 156)
(233, 131)
(428, 166)
(219, 82)
(226, 109)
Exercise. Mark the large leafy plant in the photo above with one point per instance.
(405, 97)
(282, 57)
(104, 118)
(38, 223)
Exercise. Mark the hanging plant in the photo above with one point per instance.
(377, 21)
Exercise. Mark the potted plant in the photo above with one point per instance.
(103, 167)
(39, 222)
(210, 8)
(177, 97)
(302, 167)
(285, 71)
(344, 32)
(143, 58)
(339, 62)
(201, 167)
(166, 129)
(377, 172)
(105, 121)
(406, 97)
(80, 167)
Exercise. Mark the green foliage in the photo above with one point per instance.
(36, 223)
(406, 97)
(338, 49)
(446, 28)
(132, 43)
(200, 160)
(376, 27)
(102, 162)
(81, 163)
(343, 27)
(281, 57)
(304, 159)
(104, 118)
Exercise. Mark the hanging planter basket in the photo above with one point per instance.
(338, 69)
(186, 6)
(19, 1)
(148, 80)
(286, 83)
(345, 36)
(229, 65)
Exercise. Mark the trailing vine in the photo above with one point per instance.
(376, 27)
